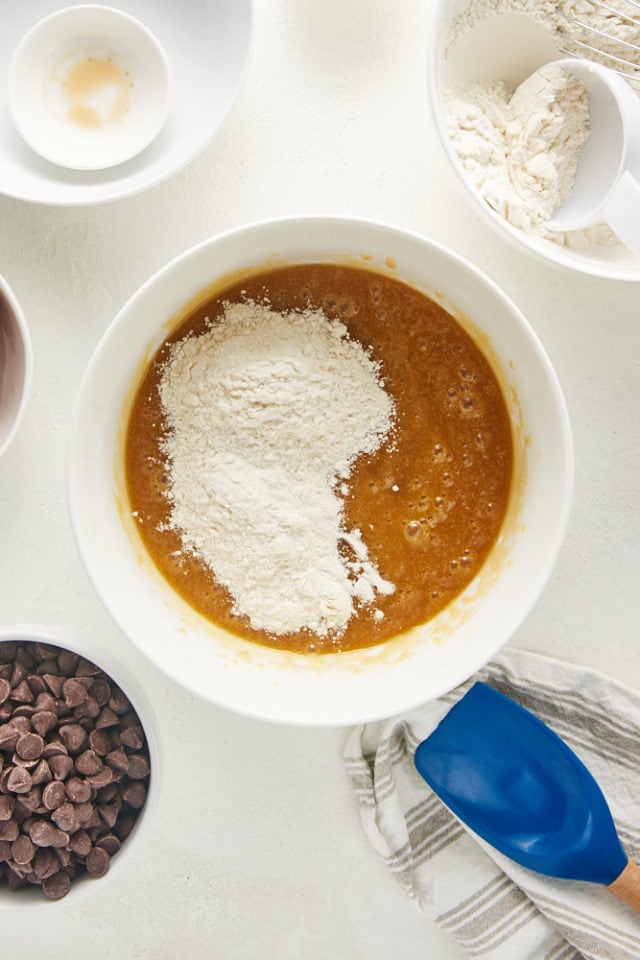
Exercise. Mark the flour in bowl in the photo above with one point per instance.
(520, 149)
(267, 413)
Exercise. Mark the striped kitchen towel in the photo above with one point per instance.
(492, 906)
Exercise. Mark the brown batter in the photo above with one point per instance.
(429, 504)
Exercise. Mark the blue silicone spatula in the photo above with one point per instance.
(518, 785)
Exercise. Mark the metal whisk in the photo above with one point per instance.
(596, 41)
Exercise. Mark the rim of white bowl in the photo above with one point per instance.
(440, 19)
(27, 381)
(85, 887)
(346, 715)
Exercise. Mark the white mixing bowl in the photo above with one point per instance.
(349, 687)
(505, 45)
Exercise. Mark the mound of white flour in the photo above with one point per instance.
(521, 151)
(266, 413)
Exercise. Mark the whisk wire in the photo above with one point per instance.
(626, 60)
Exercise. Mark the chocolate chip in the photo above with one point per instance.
(110, 843)
(88, 763)
(118, 759)
(42, 721)
(135, 794)
(93, 821)
(23, 811)
(108, 793)
(64, 856)
(118, 702)
(45, 834)
(80, 843)
(29, 801)
(5, 690)
(22, 693)
(107, 718)
(100, 691)
(101, 778)
(7, 803)
(124, 826)
(100, 742)
(19, 780)
(22, 724)
(74, 692)
(24, 710)
(14, 880)
(65, 817)
(78, 790)
(8, 830)
(138, 768)
(41, 773)
(109, 813)
(42, 651)
(86, 669)
(57, 886)
(30, 746)
(67, 662)
(132, 737)
(36, 684)
(88, 709)
(9, 735)
(17, 761)
(74, 737)
(18, 674)
(55, 684)
(61, 765)
(45, 863)
(8, 651)
(22, 849)
(54, 794)
(98, 862)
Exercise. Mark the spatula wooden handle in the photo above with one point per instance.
(627, 885)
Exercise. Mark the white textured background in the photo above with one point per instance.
(257, 851)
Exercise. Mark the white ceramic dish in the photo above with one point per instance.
(31, 898)
(89, 87)
(207, 44)
(16, 365)
(507, 47)
(333, 689)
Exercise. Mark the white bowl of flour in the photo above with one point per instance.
(514, 142)
(354, 686)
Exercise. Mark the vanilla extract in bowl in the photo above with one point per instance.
(319, 458)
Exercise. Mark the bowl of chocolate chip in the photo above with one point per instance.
(76, 788)
(320, 470)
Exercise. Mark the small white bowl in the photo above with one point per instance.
(508, 45)
(349, 687)
(89, 87)
(16, 365)
(83, 886)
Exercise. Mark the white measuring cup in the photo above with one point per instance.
(607, 183)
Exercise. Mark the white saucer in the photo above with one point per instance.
(207, 44)
(89, 87)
